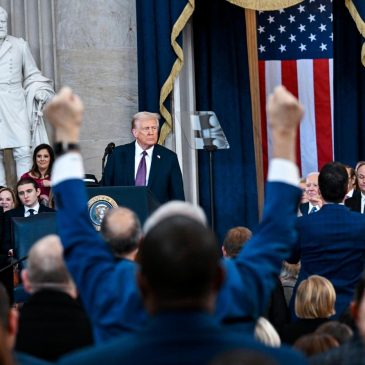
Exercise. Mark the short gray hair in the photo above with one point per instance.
(45, 265)
(145, 116)
(175, 208)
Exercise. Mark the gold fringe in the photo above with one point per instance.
(359, 23)
(265, 4)
(175, 70)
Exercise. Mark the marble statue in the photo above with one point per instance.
(23, 93)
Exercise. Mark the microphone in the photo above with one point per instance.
(109, 148)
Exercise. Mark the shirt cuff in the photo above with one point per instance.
(67, 167)
(285, 171)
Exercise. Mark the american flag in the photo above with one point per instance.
(295, 48)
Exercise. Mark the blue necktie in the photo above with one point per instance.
(313, 210)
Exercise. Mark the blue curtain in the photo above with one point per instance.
(222, 85)
(155, 19)
(349, 88)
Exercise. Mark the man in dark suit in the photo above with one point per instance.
(28, 193)
(145, 163)
(357, 201)
(331, 243)
(52, 322)
(314, 203)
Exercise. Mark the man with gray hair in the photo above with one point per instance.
(52, 322)
(145, 163)
(23, 92)
(122, 231)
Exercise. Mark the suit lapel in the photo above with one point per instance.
(155, 165)
(5, 47)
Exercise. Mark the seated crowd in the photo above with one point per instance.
(290, 292)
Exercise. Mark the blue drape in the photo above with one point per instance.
(222, 85)
(155, 19)
(349, 88)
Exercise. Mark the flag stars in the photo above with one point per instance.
(262, 48)
(301, 8)
(282, 29)
(261, 29)
(292, 38)
(302, 47)
(281, 11)
(271, 38)
(331, 37)
(291, 18)
(323, 47)
(301, 28)
(322, 8)
(271, 19)
(312, 18)
(282, 48)
(312, 37)
(322, 27)
(331, 17)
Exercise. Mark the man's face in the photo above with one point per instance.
(312, 190)
(146, 132)
(28, 195)
(3, 25)
(361, 178)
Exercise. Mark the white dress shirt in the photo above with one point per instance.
(35, 208)
(148, 158)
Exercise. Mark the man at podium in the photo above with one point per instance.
(145, 163)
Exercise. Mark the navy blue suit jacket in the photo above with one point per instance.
(331, 243)
(178, 338)
(108, 288)
(165, 179)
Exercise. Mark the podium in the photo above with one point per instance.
(137, 198)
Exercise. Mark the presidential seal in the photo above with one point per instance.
(98, 206)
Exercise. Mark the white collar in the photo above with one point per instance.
(139, 150)
(35, 207)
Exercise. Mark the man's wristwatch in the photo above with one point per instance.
(62, 147)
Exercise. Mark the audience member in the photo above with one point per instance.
(249, 281)
(52, 322)
(8, 329)
(28, 194)
(234, 240)
(340, 331)
(331, 243)
(43, 158)
(312, 194)
(121, 230)
(314, 305)
(351, 352)
(315, 343)
(357, 201)
(179, 293)
(7, 199)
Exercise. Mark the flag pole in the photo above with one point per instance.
(255, 101)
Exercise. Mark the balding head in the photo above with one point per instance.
(122, 231)
(46, 267)
(173, 208)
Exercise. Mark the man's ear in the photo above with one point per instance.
(134, 132)
(12, 329)
(38, 191)
(224, 252)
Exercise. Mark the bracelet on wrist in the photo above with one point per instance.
(63, 147)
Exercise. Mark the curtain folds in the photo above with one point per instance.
(222, 85)
(160, 56)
